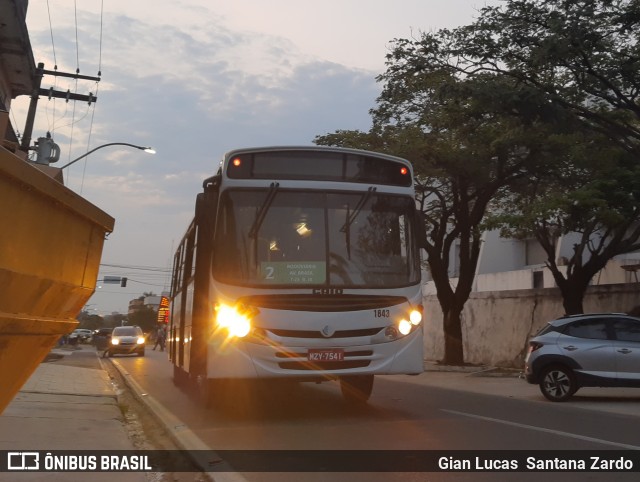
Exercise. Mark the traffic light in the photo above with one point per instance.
(123, 282)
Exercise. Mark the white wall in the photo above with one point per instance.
(496, 326)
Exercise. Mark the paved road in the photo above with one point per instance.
(405, 413)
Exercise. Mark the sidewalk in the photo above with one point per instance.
(65, 407)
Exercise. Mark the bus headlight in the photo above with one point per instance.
(415, 317)
(235, 320)
(404, 327)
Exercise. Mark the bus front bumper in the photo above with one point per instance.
(253, 360)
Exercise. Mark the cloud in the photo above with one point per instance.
(191, 93)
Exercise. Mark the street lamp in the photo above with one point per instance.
(150, 150)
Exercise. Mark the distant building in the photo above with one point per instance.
(136, 304)
(512, 264)
(144, 302)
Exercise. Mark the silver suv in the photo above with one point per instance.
(594, 350)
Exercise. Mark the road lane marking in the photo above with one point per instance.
(545, 430)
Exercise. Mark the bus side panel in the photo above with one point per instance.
(185, 342)
(206, 210)
(176, 315)
(181, 276)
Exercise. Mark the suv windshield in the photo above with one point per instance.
(126, 331)
(314, 238)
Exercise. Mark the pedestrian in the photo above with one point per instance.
(161, 337)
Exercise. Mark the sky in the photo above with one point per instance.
(194, 79)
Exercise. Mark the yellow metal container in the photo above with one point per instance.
(51, 242)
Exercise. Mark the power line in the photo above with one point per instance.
(137, 267)
(143, 283)
(93, 113)
(55, 61)
(100, 49)
(75, 11)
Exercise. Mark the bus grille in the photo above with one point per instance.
(318, 334)
(334, 303)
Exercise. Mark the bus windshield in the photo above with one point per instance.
(290, 238)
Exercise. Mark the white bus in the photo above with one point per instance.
(301, 263)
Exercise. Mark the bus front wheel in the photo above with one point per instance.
(356, 388)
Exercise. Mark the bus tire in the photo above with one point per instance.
(179, 376)
(356, 388)
(206, 391)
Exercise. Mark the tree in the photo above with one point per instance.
(89, 321)
(596, 201)
(515, 112)
(114, 320)
(146, 318)
(584, 55)
(466, 146)
(584, 58)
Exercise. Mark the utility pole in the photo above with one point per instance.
(58, 94)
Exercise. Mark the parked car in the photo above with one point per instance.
(84, 335)
(126, 340)
(102, 338)
(588, 350)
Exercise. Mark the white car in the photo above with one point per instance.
(126, 340)
(83, 335)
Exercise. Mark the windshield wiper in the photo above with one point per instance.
(351, 217)
(257, 222)
(361, 202)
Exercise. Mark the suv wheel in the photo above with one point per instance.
(558, 383)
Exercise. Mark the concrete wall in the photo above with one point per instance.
(497, 325)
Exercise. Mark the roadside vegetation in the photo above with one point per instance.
(527, 121)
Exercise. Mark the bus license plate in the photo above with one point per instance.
(334, 354)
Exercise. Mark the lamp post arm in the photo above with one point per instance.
(100, 147)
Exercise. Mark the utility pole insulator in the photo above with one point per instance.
(38, 91)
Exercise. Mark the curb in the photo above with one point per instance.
(184, 438)
(475, 370)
